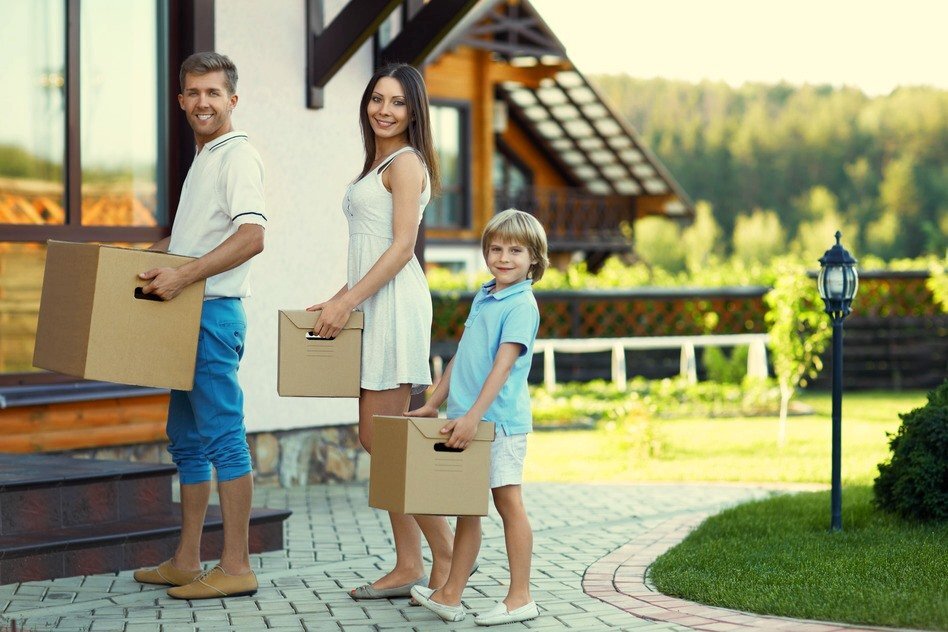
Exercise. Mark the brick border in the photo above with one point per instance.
(619, 579)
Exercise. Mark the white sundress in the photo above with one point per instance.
(396, 339)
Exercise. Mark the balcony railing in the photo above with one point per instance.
(574, 219)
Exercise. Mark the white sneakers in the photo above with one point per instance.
(500, 615)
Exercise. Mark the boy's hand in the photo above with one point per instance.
(462, 431)
(425, 411)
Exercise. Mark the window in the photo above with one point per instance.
(83, 141)
(449, 126)
(511, 176)
(82, 120)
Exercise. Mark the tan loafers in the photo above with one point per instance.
(166, 574)
(215, 584)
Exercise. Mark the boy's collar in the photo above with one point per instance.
(516, 288)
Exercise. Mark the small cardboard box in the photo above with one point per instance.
(95, 323)
(413, 472)
(309, 366)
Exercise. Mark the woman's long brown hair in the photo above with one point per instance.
(419, 119)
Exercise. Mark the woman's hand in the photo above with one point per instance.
(425, 411)
(332, 319)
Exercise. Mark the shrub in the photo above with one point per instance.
(914, 483)
(721, 368)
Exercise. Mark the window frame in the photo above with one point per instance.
(465, 157)
(185, 26)
(512, 160)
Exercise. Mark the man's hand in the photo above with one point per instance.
(462, 431)
(425, 411)
(166, 283)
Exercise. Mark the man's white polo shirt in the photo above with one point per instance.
(223, 189)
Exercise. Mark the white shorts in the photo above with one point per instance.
(506, 458)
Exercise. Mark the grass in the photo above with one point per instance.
(740, 449)
(777, 556)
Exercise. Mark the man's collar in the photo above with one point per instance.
(223, 138)
(504, 293)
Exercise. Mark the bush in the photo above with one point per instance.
(725, 370)
(914, 483)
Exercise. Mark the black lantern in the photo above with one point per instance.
(838, 282)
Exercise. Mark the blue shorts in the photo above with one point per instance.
(206, 424)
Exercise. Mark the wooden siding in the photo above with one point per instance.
(77, 425)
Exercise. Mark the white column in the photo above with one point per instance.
(549, 369)
(757, 359)
(687, 366)
(618, 366)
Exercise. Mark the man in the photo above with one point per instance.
(220, 220)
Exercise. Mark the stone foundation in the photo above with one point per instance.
(307, 456)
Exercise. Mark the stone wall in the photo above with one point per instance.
(309, 456)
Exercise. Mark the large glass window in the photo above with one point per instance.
(119, 107)
(32, 112)
(83, 137)
(450, 130)
(99, 65)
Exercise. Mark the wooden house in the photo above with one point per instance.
(516, 124)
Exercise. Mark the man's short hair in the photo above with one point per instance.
(517, 227)
(203, 63)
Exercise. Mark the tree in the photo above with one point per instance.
(799, 331)
(658, 241)
(702, 239)
(758, 237)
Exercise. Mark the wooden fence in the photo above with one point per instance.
(897, 337)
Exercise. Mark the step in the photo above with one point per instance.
(42, 492)
(109, 547)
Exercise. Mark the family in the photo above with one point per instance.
(221, 220)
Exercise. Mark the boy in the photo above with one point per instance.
(487, 380)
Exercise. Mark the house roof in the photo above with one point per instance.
(579, 129)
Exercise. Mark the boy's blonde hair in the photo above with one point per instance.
(513, 226)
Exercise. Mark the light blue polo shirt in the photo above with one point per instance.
(510, 315)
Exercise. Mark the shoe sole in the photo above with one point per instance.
(248, 593)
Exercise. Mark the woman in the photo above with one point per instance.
(383, 207)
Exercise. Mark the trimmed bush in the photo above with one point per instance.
(914, 483)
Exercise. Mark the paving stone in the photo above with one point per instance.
(335, 541)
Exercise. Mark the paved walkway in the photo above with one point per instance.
(592, 544)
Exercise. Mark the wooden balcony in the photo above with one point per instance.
(575, 219)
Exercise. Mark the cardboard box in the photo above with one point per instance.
(413, 472)
(308, 366)
(95, 323)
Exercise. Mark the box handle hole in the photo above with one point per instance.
(311, 335)
(443, 447)
(146, 297)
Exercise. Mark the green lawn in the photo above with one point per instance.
(735, 449)
(777, 556)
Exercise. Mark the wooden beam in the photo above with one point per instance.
(329, 48)
(529, 77)
(425, 31)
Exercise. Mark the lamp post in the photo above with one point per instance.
(837, 282)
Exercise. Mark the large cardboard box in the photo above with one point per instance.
(414, 472)
(308, 366)
(95, 323)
